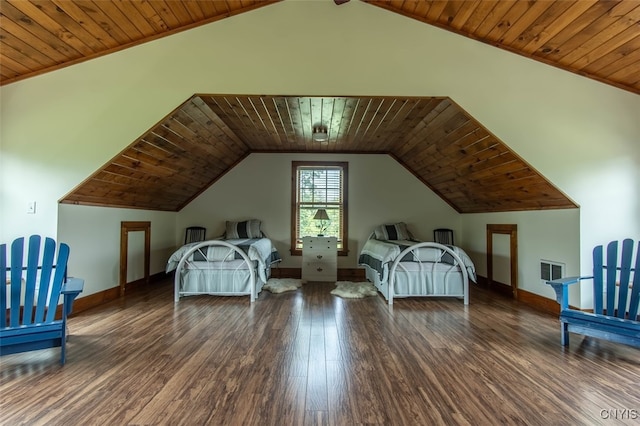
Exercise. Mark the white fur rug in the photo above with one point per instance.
(353, 290)
(280, 285)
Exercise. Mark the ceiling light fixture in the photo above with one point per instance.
(320, 134)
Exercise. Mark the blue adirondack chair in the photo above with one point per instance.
(29, 321)
(616, 296)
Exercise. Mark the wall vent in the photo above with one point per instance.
(550, 270)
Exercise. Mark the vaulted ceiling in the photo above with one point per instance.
(432, 137)
(599, 39)
(207, 135)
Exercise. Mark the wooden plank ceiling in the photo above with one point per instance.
(207, 135)
(599, 39)
(38, 36)
(433, 137)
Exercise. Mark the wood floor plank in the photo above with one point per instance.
(308, 357)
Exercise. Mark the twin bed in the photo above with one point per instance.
(239, 263)
(400, 266)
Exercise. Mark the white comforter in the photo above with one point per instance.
(385, 252)
(259, 250)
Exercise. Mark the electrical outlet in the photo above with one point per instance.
(31, 207)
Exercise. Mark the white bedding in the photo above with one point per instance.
(222, 267)
(427, 278)
(429, 269)
(226, 279)
(386, 252)
(258, 250)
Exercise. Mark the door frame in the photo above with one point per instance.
(125, 228)
(512, 231)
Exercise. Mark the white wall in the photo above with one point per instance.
(93, 235)
(380, 191)
(550, 235)
(59, 127)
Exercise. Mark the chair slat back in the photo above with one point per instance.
(625, 274)
(614, 281)
(3, 293)
(17, 248)
(33, 294)
(611, 271)
(58, 280)
(443, 236)
(634, 304)
(598, 280)
(45, 278)
(195, 234)
(30, 283)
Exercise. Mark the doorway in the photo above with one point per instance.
(512, 232)
(125, 228)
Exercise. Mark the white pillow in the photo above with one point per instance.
(395, 231)
(245, 229)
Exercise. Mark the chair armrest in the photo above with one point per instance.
(70, 290)
(567, 280)
(561, 287)
(73, 285)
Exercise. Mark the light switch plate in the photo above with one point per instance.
(31, 207)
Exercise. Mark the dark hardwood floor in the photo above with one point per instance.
(308, 357)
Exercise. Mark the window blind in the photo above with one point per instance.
(319, 187)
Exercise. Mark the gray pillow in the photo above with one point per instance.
(394, 231)
(245, 229)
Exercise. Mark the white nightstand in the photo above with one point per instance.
(319, 258)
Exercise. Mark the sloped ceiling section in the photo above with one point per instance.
(206, 136)
(38, 36)
(598, 39)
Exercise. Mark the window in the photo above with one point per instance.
(318, 185)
